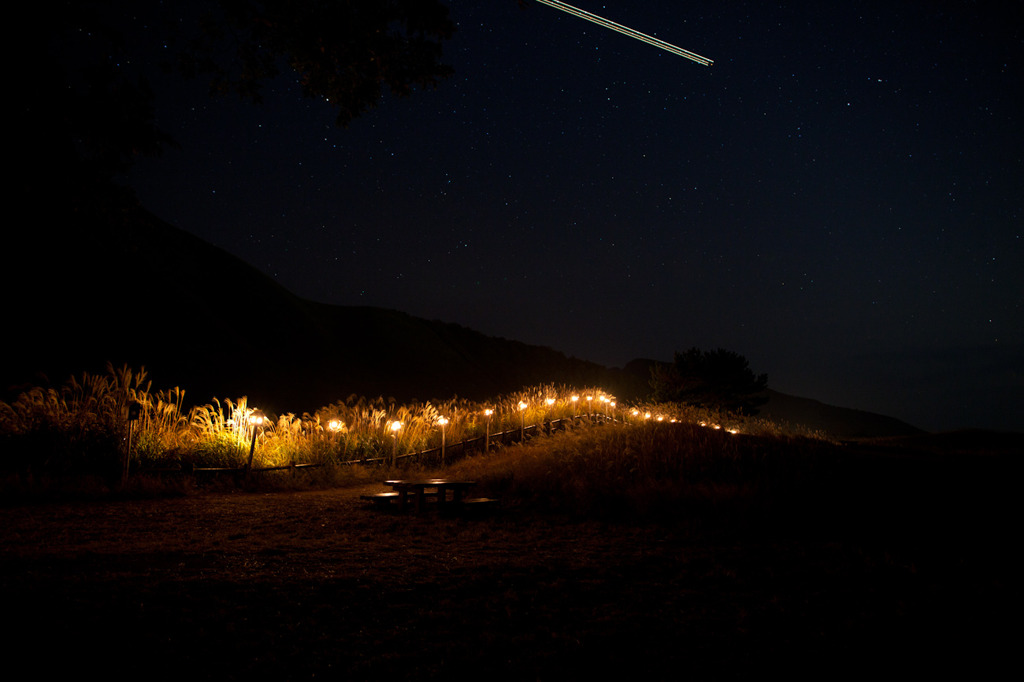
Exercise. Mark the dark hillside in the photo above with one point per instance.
(117, 284)
(113, 283)
(841, 422)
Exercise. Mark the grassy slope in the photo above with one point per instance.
(127, 288)
(658, 550)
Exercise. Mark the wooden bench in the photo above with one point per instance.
(476, 505)
(382, 500)
(387, 500)
(433, 489)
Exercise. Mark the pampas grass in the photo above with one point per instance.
(84, 428)
(650, 468)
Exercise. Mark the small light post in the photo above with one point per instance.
(395, 427)
(550, 402)
(442, 421)
(487, 437)
(522, 421)
(134, 412)
(334, 426)
(256, 419)
(575, 399)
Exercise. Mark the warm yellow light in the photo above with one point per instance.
(395, 426)
(574, 398)
(550, 401)
(636, 412)
(522, 405)
(590, 397)
(734, 431)
(661, 418)
(335, 425)
(442, 420)
(255, 419)
(647, 415)
(488, 412)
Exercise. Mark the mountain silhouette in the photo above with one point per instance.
(117, 285)
(109, 282)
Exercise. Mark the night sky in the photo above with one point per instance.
(839, 198)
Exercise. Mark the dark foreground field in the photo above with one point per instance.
(908, 568)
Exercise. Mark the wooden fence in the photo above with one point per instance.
(451, 453)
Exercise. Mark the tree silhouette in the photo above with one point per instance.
(344, 51)
(83, 105)
(717, 379)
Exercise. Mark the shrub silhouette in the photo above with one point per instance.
(718, 379)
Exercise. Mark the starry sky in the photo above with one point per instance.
(839, 198)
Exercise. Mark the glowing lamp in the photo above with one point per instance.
(256, 419)
(395, 427)
(442, 421)
(487, 434)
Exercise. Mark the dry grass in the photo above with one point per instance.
(897, 562)
(653, 469)
(83, 429)
(645, 548)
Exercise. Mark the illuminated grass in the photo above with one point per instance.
(84, 428)
(651, 468)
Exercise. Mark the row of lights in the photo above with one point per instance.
(661, 418)
(336, 425)
(257, 418)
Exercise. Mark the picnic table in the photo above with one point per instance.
(422, 488)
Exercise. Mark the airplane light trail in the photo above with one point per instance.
(625, 30)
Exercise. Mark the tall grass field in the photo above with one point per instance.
(117, 428)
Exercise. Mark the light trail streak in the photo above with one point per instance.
(626, 31)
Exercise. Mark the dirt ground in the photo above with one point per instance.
(319, 585)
